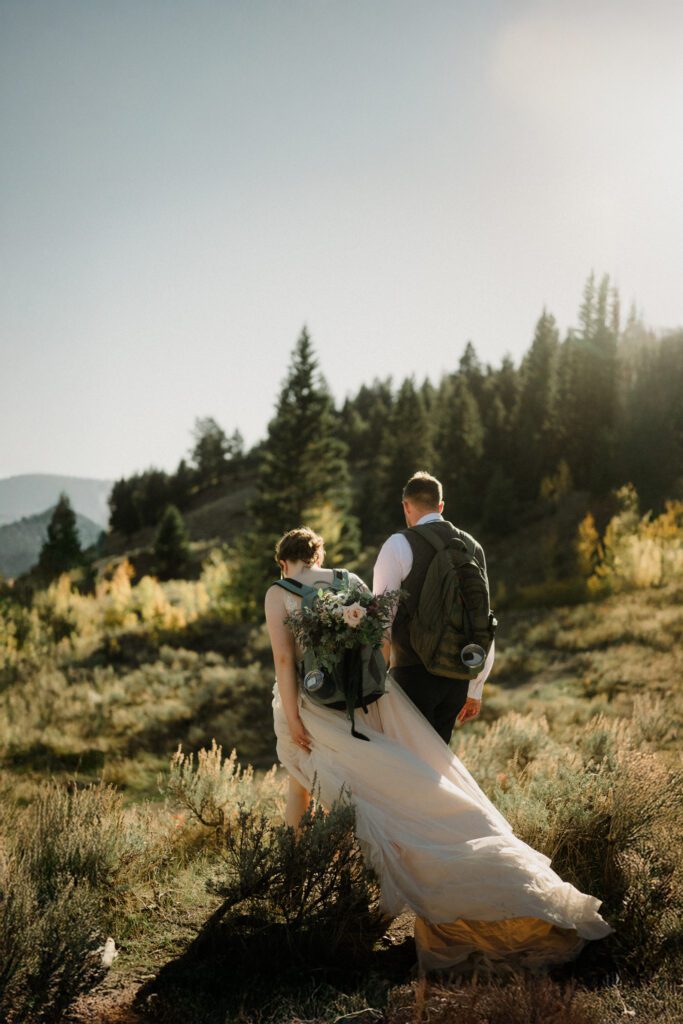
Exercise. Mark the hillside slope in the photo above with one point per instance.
(29, 494)
(21, 541)
(216, 515)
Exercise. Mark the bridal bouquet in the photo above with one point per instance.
(339, 620)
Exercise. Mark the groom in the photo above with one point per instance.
(403, 561)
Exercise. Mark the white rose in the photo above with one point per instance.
(353, 614)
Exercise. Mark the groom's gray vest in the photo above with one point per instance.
(402, 654)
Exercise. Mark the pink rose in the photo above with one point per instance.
(353, 614)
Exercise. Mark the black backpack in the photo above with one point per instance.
(451, 623)
(359, 677)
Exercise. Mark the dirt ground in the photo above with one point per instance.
(112, 1001)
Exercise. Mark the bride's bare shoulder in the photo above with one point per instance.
(275, 597)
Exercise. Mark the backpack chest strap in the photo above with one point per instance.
(340, 578)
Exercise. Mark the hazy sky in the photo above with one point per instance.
(185, 184)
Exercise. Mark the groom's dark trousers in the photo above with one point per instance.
(438, 699)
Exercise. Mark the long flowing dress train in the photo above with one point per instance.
(436, 842)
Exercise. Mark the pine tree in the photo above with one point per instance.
(498, 411)
(171, 545)
(604, 393)
(587, 310)
(407, 448)
(365, 426)
(303, 477)
(588, 392)
(459, 450)
(652, 434)
(182, 483)
(213, 450)
(61, 550)
(615, 314)
(472, 372)
(602, 300)
(537, 441)
(152, 494)
(123, 510)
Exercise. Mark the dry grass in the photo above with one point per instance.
(578, 744)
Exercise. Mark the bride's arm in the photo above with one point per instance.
(282, 643)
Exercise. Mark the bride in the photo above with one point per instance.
(436, 842)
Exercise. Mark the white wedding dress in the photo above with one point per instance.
(436, 842)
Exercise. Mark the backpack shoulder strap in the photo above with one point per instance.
(437, 542)
(423, 531)
(340, 578)
(294, 587)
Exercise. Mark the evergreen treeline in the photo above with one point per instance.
(140, 500)
(587, 412)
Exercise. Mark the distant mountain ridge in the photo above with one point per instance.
(21, 541)
(29, 494)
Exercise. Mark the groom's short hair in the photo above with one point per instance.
(423, 490)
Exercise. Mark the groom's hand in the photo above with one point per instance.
(470, 709)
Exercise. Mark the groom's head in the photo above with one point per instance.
(422, 494)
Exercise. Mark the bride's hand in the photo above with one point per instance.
(299, 733)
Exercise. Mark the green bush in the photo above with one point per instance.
(312, 886)
(85, 716)
(294, 906)
(609, 814)
(214, 789)
(50, 948)
(65, 858)
(76, 866)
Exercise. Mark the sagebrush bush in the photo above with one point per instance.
(313, 882)
(50, 948)
(609, 814)
(312, 885)
(76, 866)
(293, 906)
(215, 788)
(63, 858)
(505, 748)
(84, 835)
(86, 715)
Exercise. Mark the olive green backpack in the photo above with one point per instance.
(359, 677)
(451, 623)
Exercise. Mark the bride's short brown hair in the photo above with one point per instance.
(302, 544)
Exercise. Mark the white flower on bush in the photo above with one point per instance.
(354, 614)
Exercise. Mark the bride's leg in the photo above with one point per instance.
(298, 799)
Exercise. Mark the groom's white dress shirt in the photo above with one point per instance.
(394, 562)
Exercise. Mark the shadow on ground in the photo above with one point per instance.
(238, 968)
